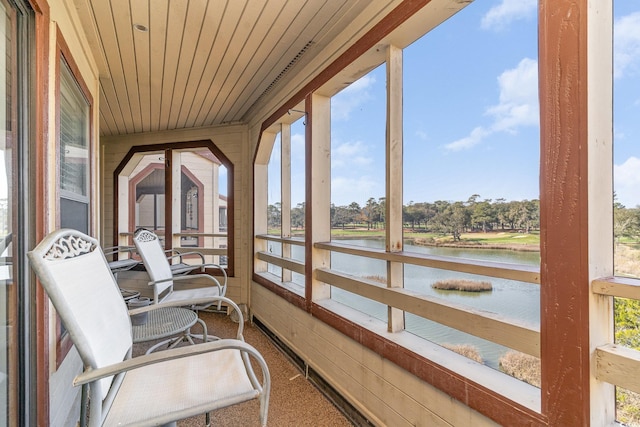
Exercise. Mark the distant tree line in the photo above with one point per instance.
(446, 217)
(453, 218)
(626, 222)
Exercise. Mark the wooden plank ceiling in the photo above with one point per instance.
(200, 62)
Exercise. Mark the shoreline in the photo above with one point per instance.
(512, 247)
(523, 247)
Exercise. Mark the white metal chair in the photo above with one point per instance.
(158, 388)
(118, 263)
(163, 278)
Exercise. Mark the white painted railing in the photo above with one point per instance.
(614, 363)
(510, 333)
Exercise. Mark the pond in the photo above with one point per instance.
(509, 299)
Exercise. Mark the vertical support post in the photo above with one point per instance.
(175, 199)
(260, 196)
(285, 193)
(212, 223)
(393, 206)
(575, 207)
(318, 194)
(123, 211)
(600, 196)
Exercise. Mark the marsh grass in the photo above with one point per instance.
(466, 350)
(521, 366)
(627, 260)
(463, 285)
(376, 278)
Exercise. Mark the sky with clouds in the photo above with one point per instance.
(471, 112)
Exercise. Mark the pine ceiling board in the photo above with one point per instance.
(108, 125)
(246, 62)
(109, 102)
(107, 32)
(175, 30)
(124, 30)
(210, 26)
(193, 30)
(293, 40)
(302, 20)
(337, 16)
(141, 47)
(232, 13)
(157, 36)
(278, 13)
(238, 48)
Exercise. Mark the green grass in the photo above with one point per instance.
(503, 238)
(493, 238)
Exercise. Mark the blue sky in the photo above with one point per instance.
(470, 113)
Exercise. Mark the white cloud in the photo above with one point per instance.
(297, 140)
(297, 148)
(517, 107)
(518, 97)
(475, 137)
(346, 190)
(627, 182)
(422, 135)
(508, 11)
(352, 97)
(626, 44)
(350, 154)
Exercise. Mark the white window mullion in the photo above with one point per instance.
(319, 196)
(394, 243)
(285, 198)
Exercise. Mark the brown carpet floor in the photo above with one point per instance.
(294, 401)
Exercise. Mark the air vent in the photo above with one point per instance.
(286, 69)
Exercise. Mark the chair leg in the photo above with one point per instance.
(208, 419)
(83, 405)
(205, 337)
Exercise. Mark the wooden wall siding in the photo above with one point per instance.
(385, 393)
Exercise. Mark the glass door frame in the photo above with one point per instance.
(168, 151)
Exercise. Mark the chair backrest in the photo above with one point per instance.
(77, 279)
(154, 259)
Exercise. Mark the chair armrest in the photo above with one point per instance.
(116, 249)
(179, 254)
(218, 266)
(190, 277)
(91, 375)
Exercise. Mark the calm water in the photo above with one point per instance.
(509, 299)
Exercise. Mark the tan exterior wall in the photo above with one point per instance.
(384, 393)
(63, 397)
